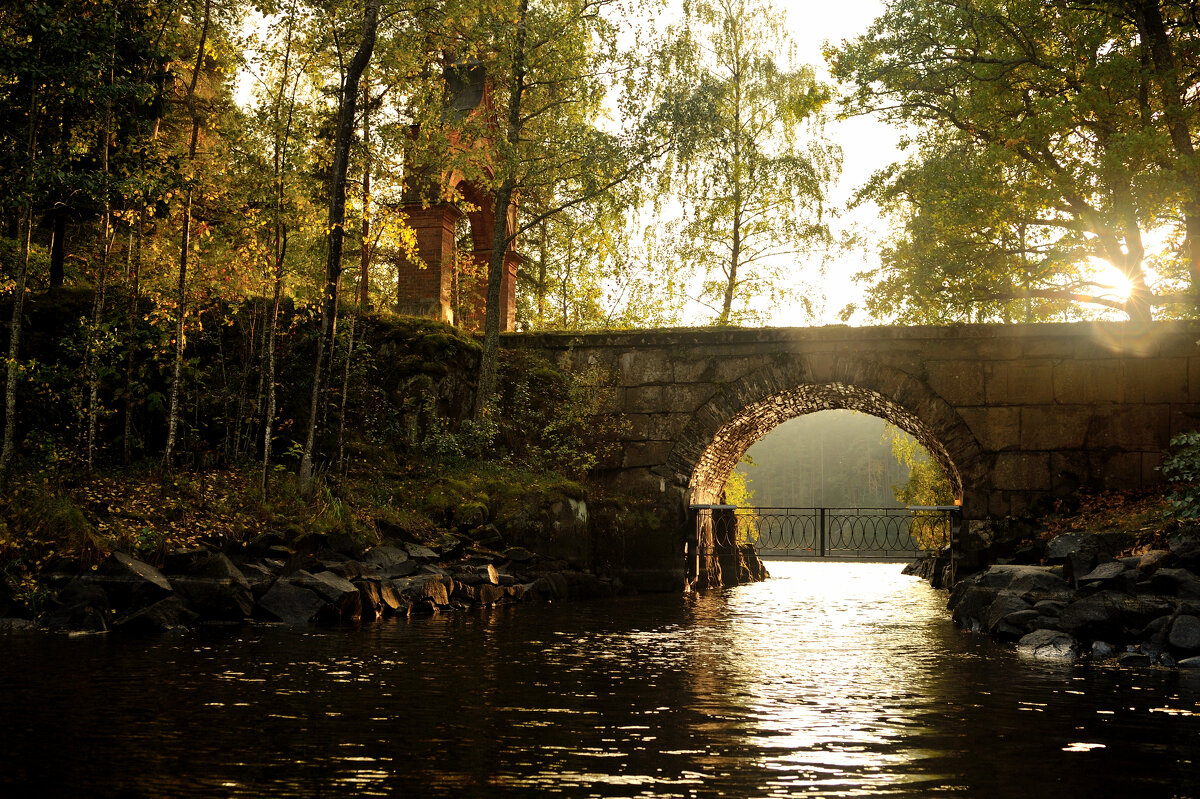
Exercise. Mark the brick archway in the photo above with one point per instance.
(721, 430)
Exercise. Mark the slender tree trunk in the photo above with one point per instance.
(488, 363)
(12, 367)
(96, 336)
(134, 296)
(337, 233)
(364, 274)
(185, 237)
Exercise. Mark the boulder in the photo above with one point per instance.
(1185, 546)
(1153, 560)
(969, 606)
(165, 615)
(1106, 573)
(130, 583)
(1003, 606)
(290, 603)
(423, 588)
(80, 605)
(1185, 634)
(1102, 650)
(341, 594)
(385, 557)
(1189, 663)
(260, 577)
(1135, 659)
(420, 552)
(391, 599)
(370, 594)
(1049, 645)
(215, 588)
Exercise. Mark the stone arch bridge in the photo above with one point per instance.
(1018, 415)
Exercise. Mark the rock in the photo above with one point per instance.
(10, 625)
(1185, 634)
(1185, 546)
(260, 577)
(1050, 607)
(339, 592)
(81, 605)
(1134, 659)
(1165, 659)
(181, 561)
(385, 557)
(370, 594)
(1102, 650)
(1168, 580)
(421, 552)
(1048, 645)
(970, 610)
(1151, 561)
(1002, 606)
(423, 588)
(1105, 573)
(1091, 616)
(1023, 619)
(518, 554)
(215, 588)
(165, 615)
(391, 599)
(130, 583)
(1027, 581)
(1189, 663)
(404, 569)
(290, 603)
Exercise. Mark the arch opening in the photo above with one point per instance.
(733, 438)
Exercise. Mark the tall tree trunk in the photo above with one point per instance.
(131, 323)
(337, 233)
(364, 274)
(488, 362)
(12, 367)
(185, 237)
(96, 336)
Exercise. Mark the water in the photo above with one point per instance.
(831, 679)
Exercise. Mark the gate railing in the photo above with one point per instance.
(861, 533)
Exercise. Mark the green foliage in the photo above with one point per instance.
(1071, 119)
(752, 168)
(1181, 467)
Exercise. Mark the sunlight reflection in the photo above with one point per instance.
(813, 658)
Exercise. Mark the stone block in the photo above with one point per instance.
(1022, 471)
(957, 382)
(996, 429)
(1157, 380)
(643, 367)
(1087, 382)
(1069, 471)
(1130, 428)
(1054, 427)
(1117, 470)
(645, 454)
(686, 398)
(643, 399)
(1019, 383)
(1151, 461)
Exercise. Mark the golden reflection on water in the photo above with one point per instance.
(825, 663)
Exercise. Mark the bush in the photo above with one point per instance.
(1181, 467)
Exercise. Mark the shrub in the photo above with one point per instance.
(1181, 467)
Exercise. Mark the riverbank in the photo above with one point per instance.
(1115, 582)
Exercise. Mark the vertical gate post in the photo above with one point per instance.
(822, 532)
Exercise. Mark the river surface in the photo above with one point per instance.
(831, 679)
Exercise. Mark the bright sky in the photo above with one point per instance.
(867, 145)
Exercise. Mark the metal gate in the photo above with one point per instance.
(857, 533)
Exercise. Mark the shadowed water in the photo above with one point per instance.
(832, 679)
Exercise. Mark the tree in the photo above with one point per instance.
(347, 102)
(550, 66)
(751, 171)
(1058, 108)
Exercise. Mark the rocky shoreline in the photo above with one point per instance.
(270, 581)
(1087, 602)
